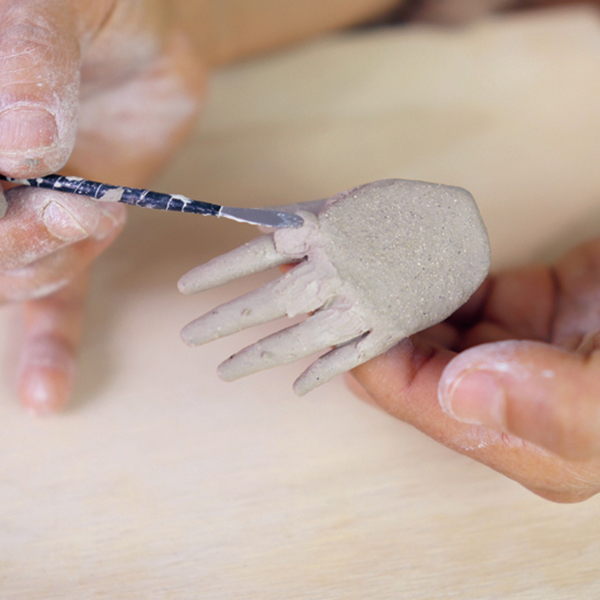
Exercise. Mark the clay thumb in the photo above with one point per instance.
(531, 390)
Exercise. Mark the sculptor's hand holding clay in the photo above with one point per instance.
(523, 396)
(111, 89)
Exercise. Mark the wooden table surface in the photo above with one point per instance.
(162, 482)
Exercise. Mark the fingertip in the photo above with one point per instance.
(182, 284)
(46, 376)
(476, 397)
(188, 282)
(496, 356)
(189, 337)
(37, 139)
(39, 91)
(37, 160)
(534, 391)
(472, 387)
(45, 390)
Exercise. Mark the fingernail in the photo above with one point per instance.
(476, 397)
(25, 128)
(62, 223)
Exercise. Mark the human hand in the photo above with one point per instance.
(112, 87)
(512, 379)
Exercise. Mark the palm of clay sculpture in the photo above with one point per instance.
(375, 265)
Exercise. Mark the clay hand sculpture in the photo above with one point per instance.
(374, 265)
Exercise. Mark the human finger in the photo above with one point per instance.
(53, 321)
(404, 382)
(39, 86)
(129, 128)
(523, 301)
(39, 222)
(534, 391)
(52, 334)
(442, 334)
(53, 271)
(516, 304)
(578, 282)
(470, 312)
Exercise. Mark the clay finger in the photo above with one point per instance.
(255, 256)
(299, 291)
(339, 360)
(256, 307)
(324, 329)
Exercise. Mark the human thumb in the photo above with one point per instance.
(534, 391)
(39, 86)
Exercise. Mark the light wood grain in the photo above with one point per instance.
(162, 482)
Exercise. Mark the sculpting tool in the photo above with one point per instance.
(140, 197)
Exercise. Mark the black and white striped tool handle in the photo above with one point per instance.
(148, 199)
